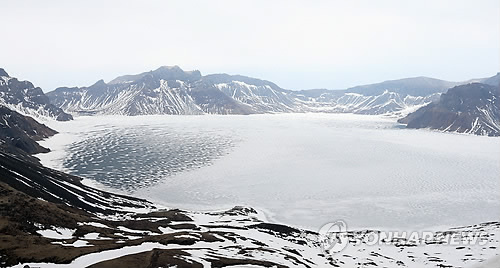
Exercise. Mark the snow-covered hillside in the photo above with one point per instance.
(50, 219)
(23, 97)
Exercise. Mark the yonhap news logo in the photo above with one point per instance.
(334, 237)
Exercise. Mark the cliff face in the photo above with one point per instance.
(472, 108)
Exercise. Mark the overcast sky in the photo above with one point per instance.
(296, 44)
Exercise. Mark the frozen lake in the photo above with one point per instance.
(301, 169)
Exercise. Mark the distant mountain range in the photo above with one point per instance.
(415, 86)
(170, 90)
(27, 99)
(472, 108)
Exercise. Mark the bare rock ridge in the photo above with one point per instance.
(27, 99)
(164, 72)
(471, 108)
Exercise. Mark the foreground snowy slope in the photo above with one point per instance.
(49, 219)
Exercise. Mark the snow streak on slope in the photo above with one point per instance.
(145, 97)
(261, 98)
(387, 102)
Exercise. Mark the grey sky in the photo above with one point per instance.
(296, 44)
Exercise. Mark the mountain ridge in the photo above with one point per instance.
(170, 90)
(416, 86)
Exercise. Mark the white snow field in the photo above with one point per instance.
(301, 169)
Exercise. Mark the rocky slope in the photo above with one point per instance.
(27, 99)
(19, 133)
(263, 96)
(471, 108)
(170, 90)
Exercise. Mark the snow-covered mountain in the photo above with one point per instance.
(263, 96)
(387, 102)
(397, 97)
(27, 99)
(414, 86)
(170, 90)
(167, 90)
(471, 108)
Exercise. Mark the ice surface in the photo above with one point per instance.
(301, 169)
(131, 156)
